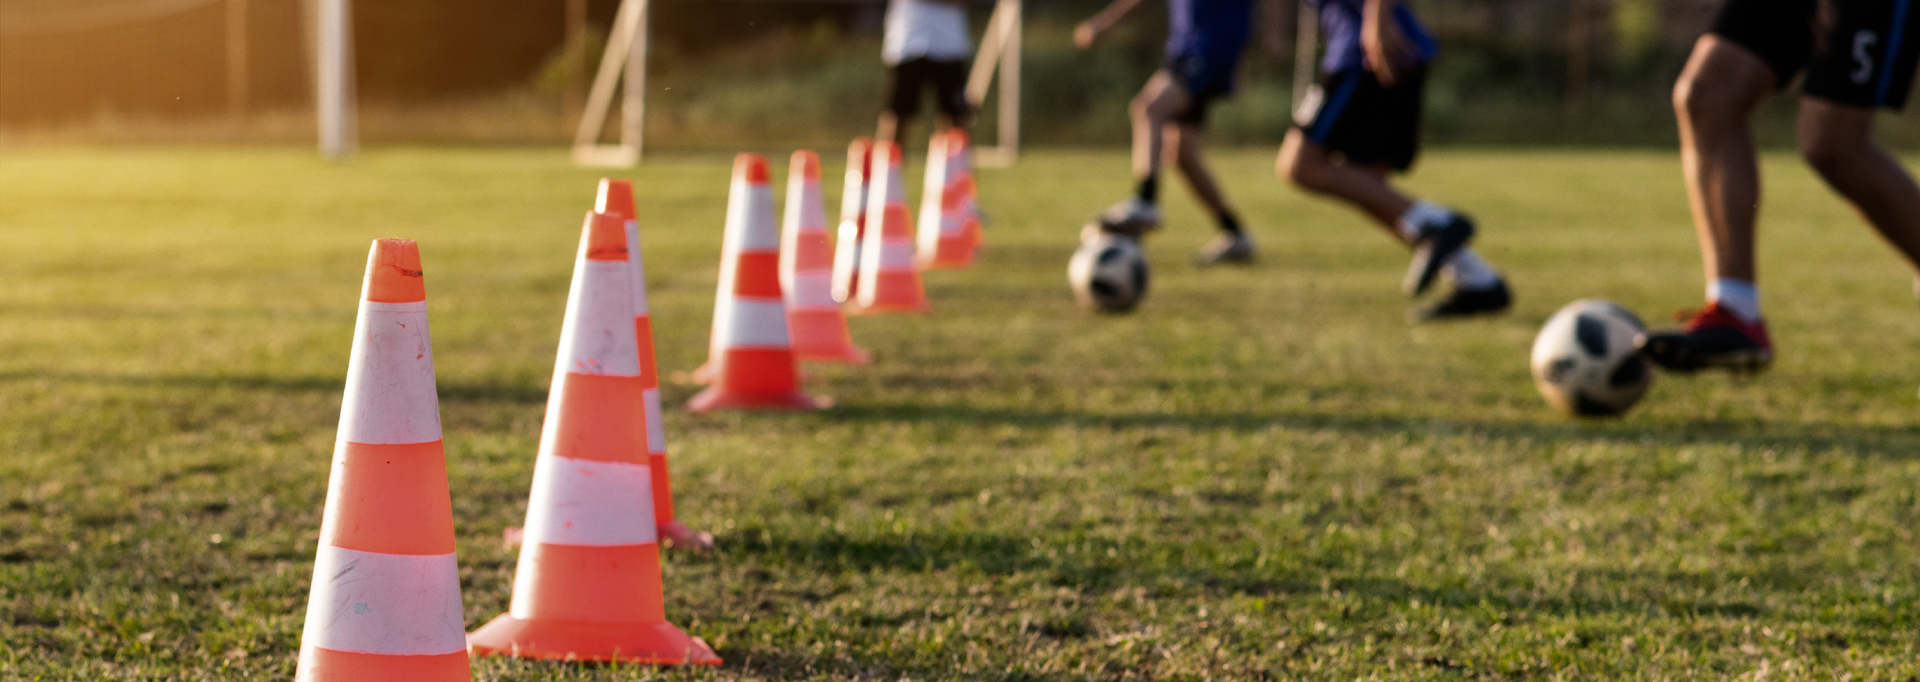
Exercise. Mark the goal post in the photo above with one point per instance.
(999, 47)
(626, 55)
(330, 32)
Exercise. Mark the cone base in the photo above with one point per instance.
(852, 355)
(890, 309)
(716, 399)
(949, 255)
(658, 643)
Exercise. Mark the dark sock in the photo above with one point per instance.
(1230, 223)
(1149, 190)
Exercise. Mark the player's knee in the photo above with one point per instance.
(1297, 169)
(1703, 99)
(1827, 151)
(1141, 108)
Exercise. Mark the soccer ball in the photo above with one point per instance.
(1108, 273)
(1585, 362)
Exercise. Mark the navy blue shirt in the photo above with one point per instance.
(1340, 22)
(1215, 30)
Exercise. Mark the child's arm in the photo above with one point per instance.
(1386, 47)
(1085, 33)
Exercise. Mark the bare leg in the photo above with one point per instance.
(1306, 165)
(1837, 140)
(1714, 100)
(892, 128)
(1184, 149)
(1158, 101)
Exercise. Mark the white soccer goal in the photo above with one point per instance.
(626, 54)
(330, 34)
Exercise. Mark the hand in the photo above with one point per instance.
(1084, 34)
(1385, 45)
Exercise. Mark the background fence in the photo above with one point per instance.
(731, 71)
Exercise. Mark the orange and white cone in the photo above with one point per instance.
(853, 220)
(751, 361)
(616, 197)
(818, 327)
(385, 602)
(588, 583)
(949, 211)
(889, 282)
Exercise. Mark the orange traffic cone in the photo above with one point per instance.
(385, 602)
(949, 212)
(889, 283)
(853, 220)
(751, 361)
(818, 327)
(588, 583)
(616, 197)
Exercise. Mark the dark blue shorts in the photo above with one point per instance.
(1859, 52)
(1205, 79)
(1351, 114)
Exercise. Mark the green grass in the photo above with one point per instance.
(1262, 474)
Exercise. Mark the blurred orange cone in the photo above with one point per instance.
(588, 583)
(949, 228)
(751, 361)
(889, 282)
(385, 602)
(819, 328)
(616, 197)
(853, 220)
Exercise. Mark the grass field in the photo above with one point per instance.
(1263, 474)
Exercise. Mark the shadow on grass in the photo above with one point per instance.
(1884, 442)
(1507, 596)
(449, 392)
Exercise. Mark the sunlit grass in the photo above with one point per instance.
(1263, 474)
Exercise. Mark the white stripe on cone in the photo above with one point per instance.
(597, 337)
(588, 502)
(806, 217)
(390, 394)
(757, 209)
(656, 429)
(812, 290)
(742, 322)
(639, 272)
(391, 604)
(896, 254)
(933, 195)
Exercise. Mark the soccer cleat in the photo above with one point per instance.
(1467, 303)
(1714, 338)
(1234, 248)
(1435, 246)
(1132, 217)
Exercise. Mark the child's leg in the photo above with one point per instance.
(1308, 166)
(1185, 149)
(1157, 103)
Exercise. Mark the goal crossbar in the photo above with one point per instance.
(626, 54)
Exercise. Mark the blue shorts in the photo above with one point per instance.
(1205, 79)
(1352, 114)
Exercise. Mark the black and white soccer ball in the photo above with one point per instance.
(1585, 362)
(1108, 273)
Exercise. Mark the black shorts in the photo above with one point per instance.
(1350, 113)
(1855, 52)
(907, 79)
(1205, 80)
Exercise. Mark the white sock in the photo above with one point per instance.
(1471, 272)
(1738, 296)
(1422, 215)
